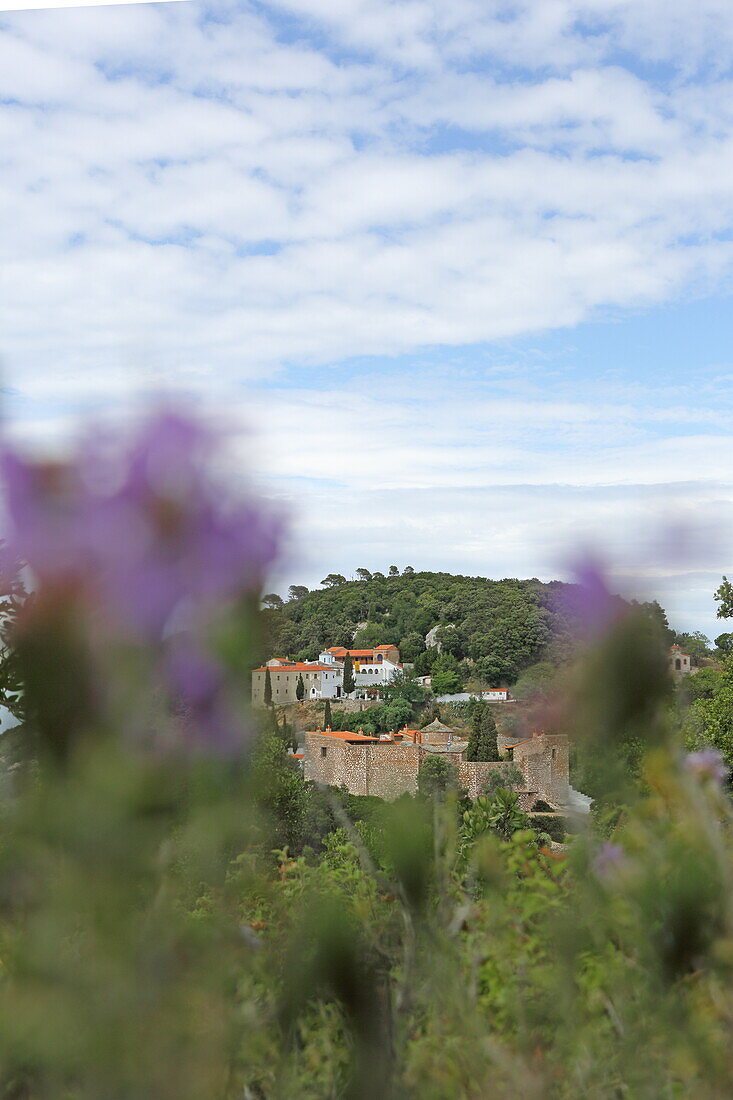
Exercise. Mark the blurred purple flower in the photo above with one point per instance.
(197, 686)
(609, 859)
(162, 533)
(595, 604)
(128, 543)
(707, 764)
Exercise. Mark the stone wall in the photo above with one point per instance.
(389, 768)
(393, 769)
(544, 761)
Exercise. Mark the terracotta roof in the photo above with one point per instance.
(338, 649)
(344, 735)
(298, 666)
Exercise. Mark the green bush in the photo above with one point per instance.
(555, 827)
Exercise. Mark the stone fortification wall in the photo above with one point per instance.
(392, 769)
(472, 775)
(544, 761)
(388, 769)
(334, 766)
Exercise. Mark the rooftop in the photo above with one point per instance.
(345, 735)
(297, 666)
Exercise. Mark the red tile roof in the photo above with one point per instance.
(338, 650)
(344, 735)
(298, 666)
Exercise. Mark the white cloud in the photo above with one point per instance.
(195, 196)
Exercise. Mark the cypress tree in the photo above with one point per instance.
(349, 681)
(300, 688)
(482, 744)
(327, 719)
(268, 688)
(287, 733)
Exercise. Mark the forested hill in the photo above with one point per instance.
(491, 630)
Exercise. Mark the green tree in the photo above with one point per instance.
(333, 580)
(445, 683)
(287, 734)
(535, 682)
(482, 740)
(268, 688)
(696, 644)
(349, 681)
(300, 689)
(724, 596)
(411, 645)
(394, 571)
(711, 718)
(281, 790)
(405, 685)
(297, 591)
(436, 775)
(369, 636)
(658, 617)
(724, 642)
(273, 601)
(327, 718)
(363, 574)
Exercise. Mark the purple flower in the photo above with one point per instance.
(197, 686)
(144, 533)
(609, 859)
(132, 540)
(595, 604)
(707, 764)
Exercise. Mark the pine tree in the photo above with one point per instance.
(327, 719)
(349, 681)
(482, 744)
(300, 689)
(268, 688)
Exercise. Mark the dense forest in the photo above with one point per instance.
(491, 631)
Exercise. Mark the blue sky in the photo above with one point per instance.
(458, 275)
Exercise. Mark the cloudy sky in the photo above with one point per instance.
(462, 270)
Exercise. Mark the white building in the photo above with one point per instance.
(679, 663)
(374, 675)
(372, 667)
(320, 680)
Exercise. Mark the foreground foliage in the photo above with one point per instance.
(183, 916)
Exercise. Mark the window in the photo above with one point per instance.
(677, 664)
(324, 750)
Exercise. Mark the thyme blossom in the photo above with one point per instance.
(130, 542)
(609, 859)
(707, 764)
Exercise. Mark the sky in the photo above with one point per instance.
(458, 276)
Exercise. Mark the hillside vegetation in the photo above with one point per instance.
(492, 631)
